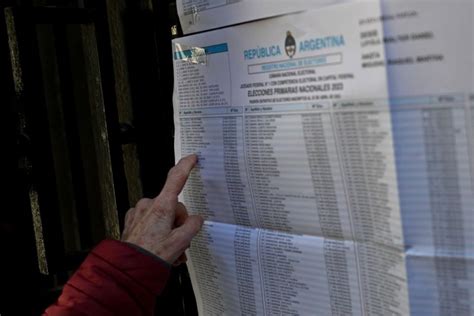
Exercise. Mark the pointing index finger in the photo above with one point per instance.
(178, 175)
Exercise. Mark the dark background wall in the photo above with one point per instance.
(87, 130)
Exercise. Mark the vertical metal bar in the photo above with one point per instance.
(115, 12)
(19, 90)
(57, 131)
(99, 131)
(38, 229)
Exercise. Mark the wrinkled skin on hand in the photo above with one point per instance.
(162, 225)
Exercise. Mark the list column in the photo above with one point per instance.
(192, 142)
(365, 150)
(218, 187)
(235, 171)
(262, 167)
(447, 155)
(278, 170)
(207, 274)
(471, 137)
(330, 204)
(283, 289)
(247, 271)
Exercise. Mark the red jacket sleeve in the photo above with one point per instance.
(115, 279)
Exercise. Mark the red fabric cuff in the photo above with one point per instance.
(115, 279)
(144, 269)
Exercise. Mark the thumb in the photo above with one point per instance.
(191, 226)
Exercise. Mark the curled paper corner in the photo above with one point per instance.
(190, 54)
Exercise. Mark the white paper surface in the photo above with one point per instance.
(335, 178)
(430, 77)
(201, 15)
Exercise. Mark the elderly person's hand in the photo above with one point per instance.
(162, 225)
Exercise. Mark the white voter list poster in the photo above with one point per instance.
(336, 163)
